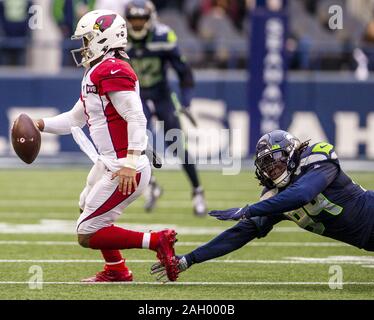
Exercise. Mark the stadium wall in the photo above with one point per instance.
(333, 107)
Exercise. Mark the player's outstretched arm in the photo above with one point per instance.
(228, 241)
(316, 179)
(62, 123)
(298, 194)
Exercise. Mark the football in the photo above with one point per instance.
(26, 139)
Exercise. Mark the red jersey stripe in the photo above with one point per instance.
(113, 201)
(117, 127)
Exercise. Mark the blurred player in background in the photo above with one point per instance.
(302, 183)
(152, 47)
(111, 107)
(114, 5)
(14, 27)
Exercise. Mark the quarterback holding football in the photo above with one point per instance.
(111, 108)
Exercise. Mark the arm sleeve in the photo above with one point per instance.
(183, 70)
(62, 123)
(265, 224)
(234, 238)
(314, 181)
(129, 106)
(186, 80)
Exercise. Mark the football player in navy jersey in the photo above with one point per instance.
(302, 183)
(152, 48)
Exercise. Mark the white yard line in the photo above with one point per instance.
(172, 204)
(58, 226)
(254, 283)
(37, 243)
(185, 244)
(351, 260)
(65, 261)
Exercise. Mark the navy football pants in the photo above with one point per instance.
(165, 111)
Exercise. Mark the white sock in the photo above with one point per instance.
(146, 240)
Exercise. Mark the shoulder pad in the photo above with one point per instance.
(164, 38)
(322, 151)
(114, 75)
(161, 29)
(113, 68)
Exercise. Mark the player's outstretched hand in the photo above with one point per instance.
(159, 270)
(229, 214)
(127, 180)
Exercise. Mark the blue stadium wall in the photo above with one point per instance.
(333, 107)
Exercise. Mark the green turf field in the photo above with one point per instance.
(37, 218)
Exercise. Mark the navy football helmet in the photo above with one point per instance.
(277, 157)
(141, 16)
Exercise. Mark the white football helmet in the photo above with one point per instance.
(100, 31)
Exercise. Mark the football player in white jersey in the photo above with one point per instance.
(111, 108)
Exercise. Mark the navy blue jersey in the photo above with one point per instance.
(151, 57)
(321, 198)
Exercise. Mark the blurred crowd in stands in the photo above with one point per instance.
(214, 33)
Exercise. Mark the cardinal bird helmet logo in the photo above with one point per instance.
(104, 22)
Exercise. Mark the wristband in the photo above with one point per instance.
(130, 161)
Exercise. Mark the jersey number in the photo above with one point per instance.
(303, 216)
(148, 71)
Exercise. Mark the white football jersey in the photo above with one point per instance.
(108, 129)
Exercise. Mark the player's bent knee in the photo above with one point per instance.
(84, 240)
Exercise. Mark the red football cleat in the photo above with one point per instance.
(166, 253)
(111, 276)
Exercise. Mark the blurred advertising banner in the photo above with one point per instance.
(332, 107)
(267, 68)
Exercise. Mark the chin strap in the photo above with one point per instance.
(283, 180)
(264, 181)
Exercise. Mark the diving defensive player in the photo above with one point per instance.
(302, 183)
